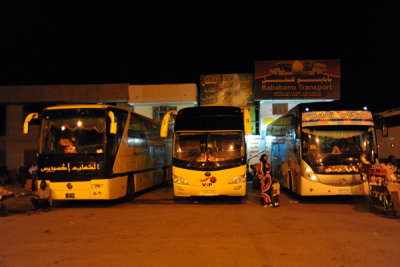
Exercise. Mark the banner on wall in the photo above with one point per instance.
(226, 89)
(297, 79)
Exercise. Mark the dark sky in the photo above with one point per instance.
(52, 43)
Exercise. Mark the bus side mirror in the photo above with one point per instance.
(113, 124)
(164, 124)
(247, 121)
(28, 120)
(380, 123)
(385, 130)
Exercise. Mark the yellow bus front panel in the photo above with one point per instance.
(89, 190)
(229, 182)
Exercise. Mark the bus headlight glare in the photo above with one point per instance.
(310, 175)
(179, 180)
(238, 179)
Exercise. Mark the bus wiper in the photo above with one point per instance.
(196, 155)
(215, 153)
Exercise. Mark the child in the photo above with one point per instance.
(275, 192)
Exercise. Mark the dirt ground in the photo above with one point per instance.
(154, 230)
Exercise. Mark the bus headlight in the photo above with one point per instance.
(238, 179)
(310, 175)
(179, 180)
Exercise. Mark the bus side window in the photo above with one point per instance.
(385, 129)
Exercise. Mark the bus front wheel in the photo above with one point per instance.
(130, 188)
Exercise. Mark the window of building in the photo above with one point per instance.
(279, 109)
(3, 123)
(2, 159)
(160, 111)
(30, 156)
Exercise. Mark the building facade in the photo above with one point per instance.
(18, 150)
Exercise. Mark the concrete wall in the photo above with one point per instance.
(89, 93)
(147, 110)
(145, 97)
(16, 142)
(163, 93)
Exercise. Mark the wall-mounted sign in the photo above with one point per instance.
(226, 89)
(322, 118)
(297, 79)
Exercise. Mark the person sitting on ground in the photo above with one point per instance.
(42, 197)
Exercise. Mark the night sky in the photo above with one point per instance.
(53, 43)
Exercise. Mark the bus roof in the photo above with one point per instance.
(331, 105)
(388, 113)
(209, 118)
(75, 106)
(209, 110)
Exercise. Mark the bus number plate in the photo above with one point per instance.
(209, 193)
(70, 195)
(344, 191)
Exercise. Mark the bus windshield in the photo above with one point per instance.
(73, 131)
(211, 149)
(336, 145)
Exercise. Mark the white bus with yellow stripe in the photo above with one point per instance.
(209, 152)
(93, 152)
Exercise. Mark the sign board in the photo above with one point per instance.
(226, 89)
(321, 118)
(297, 79)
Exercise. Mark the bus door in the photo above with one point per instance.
(278, 156)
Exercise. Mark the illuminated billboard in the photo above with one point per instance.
(297, 79)
(226, 89)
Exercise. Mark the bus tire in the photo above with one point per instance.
(290, 181)
(130, 188)
(180, 199)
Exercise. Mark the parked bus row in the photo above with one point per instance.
(106, 152)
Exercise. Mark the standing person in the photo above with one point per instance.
(392, 169)
(42, 197)
(264, 173)
(33, 172)
(276, 191)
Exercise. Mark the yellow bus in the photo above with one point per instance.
(209, 152)
(97, 152)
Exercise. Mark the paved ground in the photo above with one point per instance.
(153, 230)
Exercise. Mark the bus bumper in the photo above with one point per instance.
(98, 189)
(227, 190)
(310, 188)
